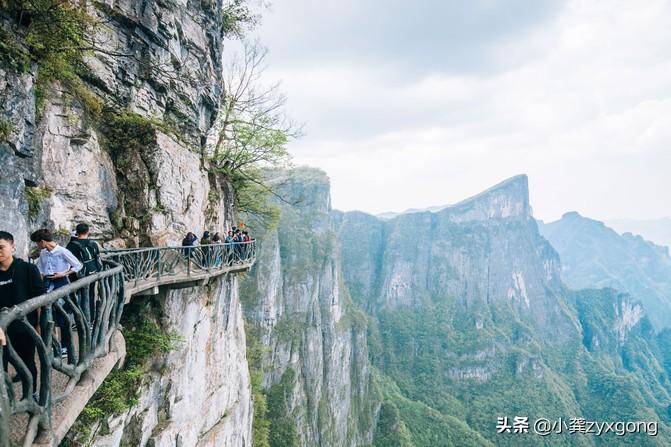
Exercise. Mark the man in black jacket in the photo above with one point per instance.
(19, 282)
(88, 252)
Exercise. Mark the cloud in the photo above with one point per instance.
(576, 96)
(409, 37)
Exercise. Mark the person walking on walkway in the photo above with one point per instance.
(88, 253)
(189, 241)
(56, 264)
(86, 250)
(19, 282)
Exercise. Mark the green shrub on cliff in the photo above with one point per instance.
(282, 428)
(56, 35)
(36, 196)
(119, 390)
(145, 339)
(12, 54)
(260, 422)
(5, 130)
(391, 431)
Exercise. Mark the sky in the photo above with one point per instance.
(418, 104)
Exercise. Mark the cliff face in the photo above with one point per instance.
(161, 62)
(134, 170)
(485, 251)
(315, 348)
(593, 255)
(467, 308)
(199, 394)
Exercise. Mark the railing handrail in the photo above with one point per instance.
(169, 247)
(96, 303)
(9, 314)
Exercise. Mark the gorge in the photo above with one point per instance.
(418, 329)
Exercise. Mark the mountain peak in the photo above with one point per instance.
(508, 199)
(571, 215)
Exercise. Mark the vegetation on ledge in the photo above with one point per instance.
(5, 130)
(36, 196)
(145, 340)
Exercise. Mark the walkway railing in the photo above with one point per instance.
(95, 304)
(93, 308)
(156, 265)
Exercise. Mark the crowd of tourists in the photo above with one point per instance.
(234, 236)
(55, 267)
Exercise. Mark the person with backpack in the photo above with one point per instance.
(206, 252)
(228, 247)
(19, 282)
(86, 250)
(88, 253)
(189, 241)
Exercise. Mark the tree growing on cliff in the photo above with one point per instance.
(252, 131)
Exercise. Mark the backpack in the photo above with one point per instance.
(90, 258)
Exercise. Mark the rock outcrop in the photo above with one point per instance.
(135, 170)
(199, 394)
(313, 337)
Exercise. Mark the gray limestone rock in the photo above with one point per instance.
(300, 310)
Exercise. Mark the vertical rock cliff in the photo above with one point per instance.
(198, 394)
(115, 137)
(315, 355)
(469, 320)
(484, 252)
(133, 168)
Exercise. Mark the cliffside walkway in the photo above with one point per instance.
(42, 413)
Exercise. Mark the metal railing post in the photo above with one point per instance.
(188, 262)
(137, 266)
(158, 263)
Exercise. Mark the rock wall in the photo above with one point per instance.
(158, 76)
(17, 154)
(198, 395)
(483, 251)
(161, 61)
(302, 315)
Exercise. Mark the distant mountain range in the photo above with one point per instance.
(594, 256)
(421, 329)
(658, 230)
(392, 214)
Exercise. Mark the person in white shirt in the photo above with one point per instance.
(56, 264)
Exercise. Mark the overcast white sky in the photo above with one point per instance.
(414, 104)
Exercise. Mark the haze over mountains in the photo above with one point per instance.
(464, 316)
(594, 256)
(657, 230)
